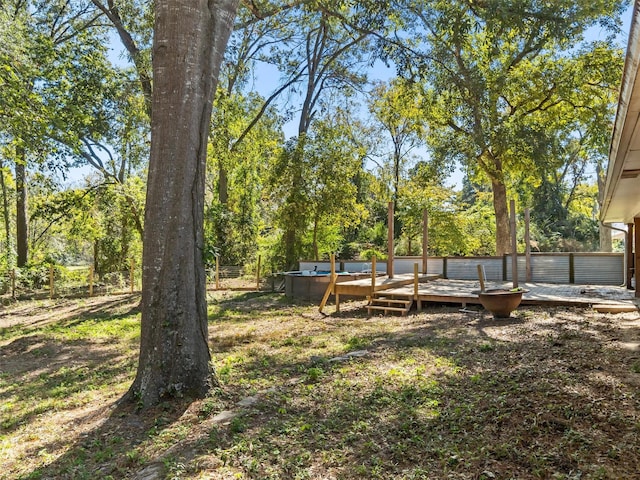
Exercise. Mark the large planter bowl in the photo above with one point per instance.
(500, 301)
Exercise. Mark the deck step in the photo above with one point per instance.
(383, 303)
(614, 308)
(390, 301)
(381, 308)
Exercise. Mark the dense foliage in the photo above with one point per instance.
(312, 135)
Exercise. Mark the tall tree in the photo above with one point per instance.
(327, 169)
(398, 108)
(22, 222)
(329, 54)
(495, 68)
(246, 132)
(16, 105)
(232, 220)
(188, 48)
(59, 75)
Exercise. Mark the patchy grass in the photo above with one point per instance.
(550, 393)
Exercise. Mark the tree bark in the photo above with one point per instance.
(316, 255)
(7, 216)
(290, 250)
(503, 243)
(22, 226)
(190, 37)
(223, 183)
(606, 243)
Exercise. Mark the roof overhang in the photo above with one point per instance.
(622, 188)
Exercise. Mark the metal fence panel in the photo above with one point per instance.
(550, 268)
(405, 264)
(466, 268)
(588, 268)
(434, 265)
(319, 266)
(522, 268)
(360, 266)
(598, 269)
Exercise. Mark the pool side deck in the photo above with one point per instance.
(462, 292)
(432, 288)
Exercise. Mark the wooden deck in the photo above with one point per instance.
(365, 287)
(433, 289)
(463, 292)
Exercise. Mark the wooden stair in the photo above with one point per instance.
(397, 304)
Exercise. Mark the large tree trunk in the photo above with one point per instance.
(503, 242)
(290, 250)
(190, 37)
(7, 216)
(606, 243)
(223, 184)
(22, 226)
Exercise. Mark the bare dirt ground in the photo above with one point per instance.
(439, 394)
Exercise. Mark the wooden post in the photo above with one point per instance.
(390, 242)
(327, 292)
(636, 258)
(132, 277)
(527, 242)
(217, 272)
(425, 240)
(333, 265)
(481, 276)
(628, 247)
(334, 278)
(51, 284)
(373, 274)
(514, 244)
(258, 273)
(331, 287)
(416, 295)
(91, 280)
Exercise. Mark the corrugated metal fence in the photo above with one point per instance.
(576, 268)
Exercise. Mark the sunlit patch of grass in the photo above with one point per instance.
(121, 329)
(15, 331)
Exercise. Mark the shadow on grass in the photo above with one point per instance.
(113, 449)
(55, 362)
(445, 396)
(30, 317)
(450, 399)
(245, 306)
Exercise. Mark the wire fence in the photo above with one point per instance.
(55, 281)
(65, 281)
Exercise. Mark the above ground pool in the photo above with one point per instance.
(310, 286)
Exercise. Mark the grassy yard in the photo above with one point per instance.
(550, 393)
